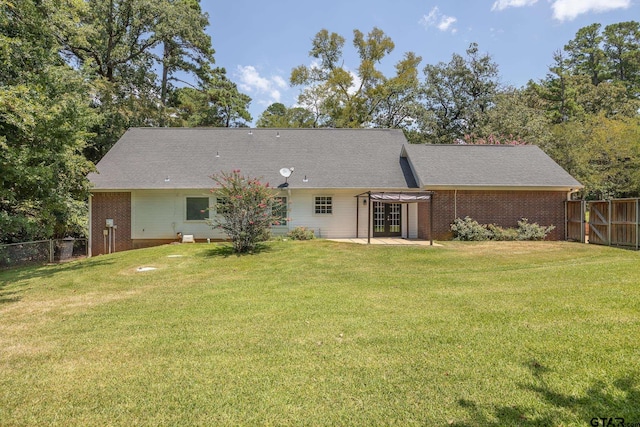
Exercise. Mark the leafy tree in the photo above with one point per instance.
(457, 96)
(399, 98)
(622, 45)
(279, 116)
(514, 119)
(121, 44)
(603, 153)
(585, 54)
(44, 117)
(217, 102)
(559, 90)
(566, 96)
(244, 209)
(611, 55)
(186, 47)
(341, 98)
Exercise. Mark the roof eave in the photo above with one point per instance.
(503, 187)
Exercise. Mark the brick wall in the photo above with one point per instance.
(503, 208)
(116, 205)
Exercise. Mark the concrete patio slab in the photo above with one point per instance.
(388, 241)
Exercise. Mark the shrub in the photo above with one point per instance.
(245, 209)
(468, 229)
(528, 231)
(505, 234)
(301, 233)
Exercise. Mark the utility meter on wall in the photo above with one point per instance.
(109, 222)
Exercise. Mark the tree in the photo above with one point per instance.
(121, 45)
(513, 119)
(44, 118)
(278, 116)
(399, 97)
(341, 98)
(622, 45)
(457, 95)
(217, 102)
(603, 153)
(186, 47)
(585, 54)
(566, 96)
(244, 209)
(612, 55)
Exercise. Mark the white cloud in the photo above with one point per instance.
(250, 81)
(504, 4)
(567, 10)
(439, 21)
(279, 81)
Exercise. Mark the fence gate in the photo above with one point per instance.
(599, 223)
(615, 222)
(575, 214)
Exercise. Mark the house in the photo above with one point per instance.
(155, 183)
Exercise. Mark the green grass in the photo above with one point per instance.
(324, 333)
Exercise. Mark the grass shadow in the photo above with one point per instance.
(10, 277)
(225, 250)
(500, 416)
(614, 400)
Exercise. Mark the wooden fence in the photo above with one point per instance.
(576, 222)
(615, 222)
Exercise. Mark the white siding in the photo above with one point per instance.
(161, 214)
(412, 209)
(346, 207)
(340, 224)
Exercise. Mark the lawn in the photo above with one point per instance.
(325, 333)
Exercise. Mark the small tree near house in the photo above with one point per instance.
(244, 208)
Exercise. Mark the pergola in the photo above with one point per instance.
(396, 197)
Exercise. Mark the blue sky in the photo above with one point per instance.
(259, 42)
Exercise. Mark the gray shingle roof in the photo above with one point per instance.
(487, 166)
(330, 158)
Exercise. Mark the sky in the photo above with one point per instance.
(260, 42)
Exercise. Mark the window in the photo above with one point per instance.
(280, 211)
(197, 208)
(323, 205)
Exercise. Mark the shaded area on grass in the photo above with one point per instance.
(615, 399)
(19, 278)
(225, 250)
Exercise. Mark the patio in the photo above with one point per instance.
(388, 241)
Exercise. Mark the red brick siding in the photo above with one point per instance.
(503, 208)
(118, 207)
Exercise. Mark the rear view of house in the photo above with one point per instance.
(155, 183)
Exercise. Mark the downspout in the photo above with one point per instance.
(431, 220)
(89, 234)
(455, 204)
